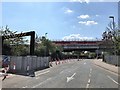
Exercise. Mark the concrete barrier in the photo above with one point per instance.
(112, 59)
(22, 64)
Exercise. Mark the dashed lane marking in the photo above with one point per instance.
(89, 81)
(87, 86)
(90, 70)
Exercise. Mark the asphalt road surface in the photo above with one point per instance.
(74, 74)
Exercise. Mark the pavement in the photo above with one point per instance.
(106, 66)
(84, 73)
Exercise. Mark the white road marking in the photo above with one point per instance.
(89, 81)
(107, 70)
(61, 72)
(42, 73)
(84, 63)
(113, 80)
(91, 70)
(25, 87)
(87, 86)
(70, 78)
(41, 83)
(37, 78)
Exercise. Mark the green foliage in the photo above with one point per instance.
(16, 45)
(113, 44)
(45, 47)
(117, 43)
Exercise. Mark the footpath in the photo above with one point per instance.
(106, 66)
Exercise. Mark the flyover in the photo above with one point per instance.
(69, 46)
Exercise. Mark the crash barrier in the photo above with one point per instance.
(27, 63)
(112, 59)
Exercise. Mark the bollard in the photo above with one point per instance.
(14, 68)
(62, 62)
(59, 62)
(65, 61)
(50, 63)
(28, 68)
(56, 62)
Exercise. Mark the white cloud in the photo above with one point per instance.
(88, 22)
(68, 11)
(82, 22)
(76, 1)
(81, 1)
(97, 15)
(87, 1)
(83, 16)
(76, 37)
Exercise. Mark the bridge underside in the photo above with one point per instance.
(75, 49)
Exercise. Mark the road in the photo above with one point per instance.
(73, 74)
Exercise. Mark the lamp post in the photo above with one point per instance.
(46, 35)
(112, 17)
(46, 45)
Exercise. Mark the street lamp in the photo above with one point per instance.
(113, 21)
(46, 45)
(112, 17)
(46, 35)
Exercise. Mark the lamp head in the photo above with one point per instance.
(111, 16)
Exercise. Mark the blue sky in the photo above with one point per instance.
(61, 20)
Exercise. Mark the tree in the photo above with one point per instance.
(111, 39)
(45, 47)
(17, 45)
